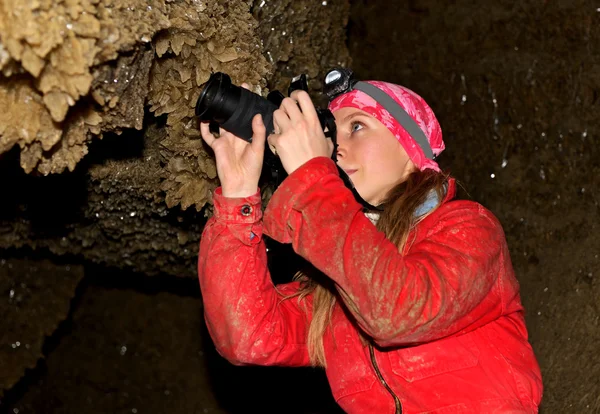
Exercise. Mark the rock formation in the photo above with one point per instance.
(131, 72)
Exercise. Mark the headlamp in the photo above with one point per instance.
(339, 81)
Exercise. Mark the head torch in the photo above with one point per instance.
(339, 81)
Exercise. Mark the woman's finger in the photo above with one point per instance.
(281, 121)
(306, 104)
(273, 141)
(290, 106)
(226, 135)
(207, 136)
(258, 134)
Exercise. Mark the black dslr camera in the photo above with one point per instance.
(232, 108)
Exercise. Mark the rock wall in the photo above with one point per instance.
(131, 72)
(58, 61)
(101, 160)
(32, 307)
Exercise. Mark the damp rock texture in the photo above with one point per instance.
(139, 198)
(75, 70)
(140, 348)
(515, 87)
(303, 37)
(36, 296)
(61, 64)
(82, 68)
(209, 37)
(110, 210)
(234, 38)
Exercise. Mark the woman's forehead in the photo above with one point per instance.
(348, 112)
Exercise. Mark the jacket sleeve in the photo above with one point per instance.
(444, 283)
(245, 315)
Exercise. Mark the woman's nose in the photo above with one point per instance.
(341, 149)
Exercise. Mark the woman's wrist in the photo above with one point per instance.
(240, 210)
(239, 192)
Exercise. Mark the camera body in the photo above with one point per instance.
(232, 108)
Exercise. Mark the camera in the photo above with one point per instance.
(231, 107)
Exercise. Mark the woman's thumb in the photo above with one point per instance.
(258, 133)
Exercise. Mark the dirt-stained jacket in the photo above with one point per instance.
(444, 316)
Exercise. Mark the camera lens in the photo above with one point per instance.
(218, 100)
(233, 107)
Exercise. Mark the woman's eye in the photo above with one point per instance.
(356, 126)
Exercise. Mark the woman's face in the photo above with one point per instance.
(370, 154)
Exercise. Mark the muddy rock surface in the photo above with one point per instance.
(36, 298)
(303, 37)
(54, 65)
(134, 344)
(72, 71)
(141, 195)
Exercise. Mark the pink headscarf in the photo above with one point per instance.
(416, 108)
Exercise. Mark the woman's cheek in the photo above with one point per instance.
(371, 159)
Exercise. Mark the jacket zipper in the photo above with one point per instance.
(383, 382)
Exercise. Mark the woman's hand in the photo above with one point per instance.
(239, 163)
(298, 135)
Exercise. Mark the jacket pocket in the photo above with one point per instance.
(434, 358)
(343, 389)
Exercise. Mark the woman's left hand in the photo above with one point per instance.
(298, 135)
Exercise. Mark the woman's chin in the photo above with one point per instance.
(368, 198)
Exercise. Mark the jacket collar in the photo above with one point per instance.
(450, 191)
(427, 206)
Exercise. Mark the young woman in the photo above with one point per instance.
(414, 308)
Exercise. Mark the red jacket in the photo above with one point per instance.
(445, 314)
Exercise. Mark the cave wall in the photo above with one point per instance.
(101, 160)
(139, 198)
(516, 88)
(32, 307)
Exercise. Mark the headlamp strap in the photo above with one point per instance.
(399, 114)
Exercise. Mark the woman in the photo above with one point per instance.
(415, 307)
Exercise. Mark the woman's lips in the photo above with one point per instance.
(350, 172)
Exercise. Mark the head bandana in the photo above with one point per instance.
(416, 108)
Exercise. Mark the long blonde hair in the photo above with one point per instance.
(396, 220)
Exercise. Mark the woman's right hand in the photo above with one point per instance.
(239, 163)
